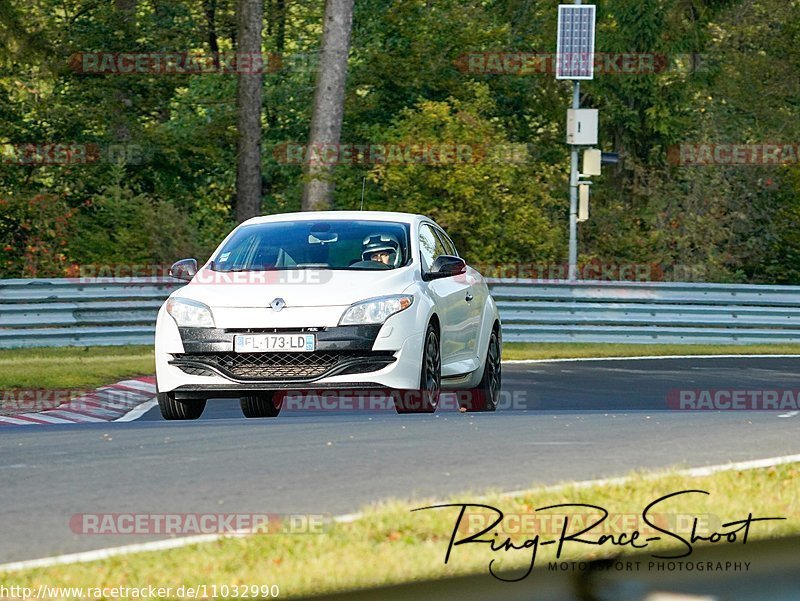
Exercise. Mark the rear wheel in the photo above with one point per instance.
(486, 395)
(173, 409)
(426, 398)
(264, 404)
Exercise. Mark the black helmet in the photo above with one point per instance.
(380, 242)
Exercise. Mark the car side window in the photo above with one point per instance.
(447, 243)
(430, 247)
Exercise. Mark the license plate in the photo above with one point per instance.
(274, 343)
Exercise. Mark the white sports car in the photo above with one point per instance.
(328, 300)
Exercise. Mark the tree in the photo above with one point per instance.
(489, 193)
(248, 102)
(328, 110)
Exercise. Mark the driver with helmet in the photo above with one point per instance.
(381, 248)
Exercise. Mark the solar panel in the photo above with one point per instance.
(575, 45)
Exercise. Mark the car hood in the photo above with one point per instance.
(297, 288)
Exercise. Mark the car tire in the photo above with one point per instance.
(173, 409)
(260, 405)
(425, 399)
(486, 395)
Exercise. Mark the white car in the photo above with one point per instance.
(338, 300)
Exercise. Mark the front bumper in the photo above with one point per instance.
(195, 362)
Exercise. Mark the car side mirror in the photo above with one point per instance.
(184, 270)
(446, 266)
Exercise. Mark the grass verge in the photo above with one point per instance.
(391, 544)
(570, 350)
(74, 368)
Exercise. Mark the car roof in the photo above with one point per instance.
(342, 215)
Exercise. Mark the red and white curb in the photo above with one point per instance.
(123, 401)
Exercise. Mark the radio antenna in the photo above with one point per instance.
(363, 185)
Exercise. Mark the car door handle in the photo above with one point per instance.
(469, 297)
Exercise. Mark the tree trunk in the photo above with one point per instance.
(126, 17)
(328, 110)
(280, 42)
(210, 10)
(248, 101)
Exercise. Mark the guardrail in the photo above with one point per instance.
(113, 311)
(75, 312)
(647, 312)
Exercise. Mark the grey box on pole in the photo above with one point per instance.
(582, 127)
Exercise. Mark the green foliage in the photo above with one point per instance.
(122, 227)
(492, 206)
(732, 78)
(34, 235)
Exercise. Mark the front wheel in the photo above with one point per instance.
(486, 395)
(173, 409)
(260, 405)
(426, 398)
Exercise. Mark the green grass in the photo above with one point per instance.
(566, 350)
(72, 367)
(391, 544)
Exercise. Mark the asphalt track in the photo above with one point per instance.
(560, 421)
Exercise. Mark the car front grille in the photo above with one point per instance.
(282, 366)
(193, 370)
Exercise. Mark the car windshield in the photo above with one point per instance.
(329, 244)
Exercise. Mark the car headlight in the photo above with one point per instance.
(189, 313)
(375, 310)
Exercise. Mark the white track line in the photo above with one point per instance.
(646, 357)
(694, 472)
(174, 543)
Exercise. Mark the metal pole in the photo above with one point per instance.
(573, 191)
(573, 195)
